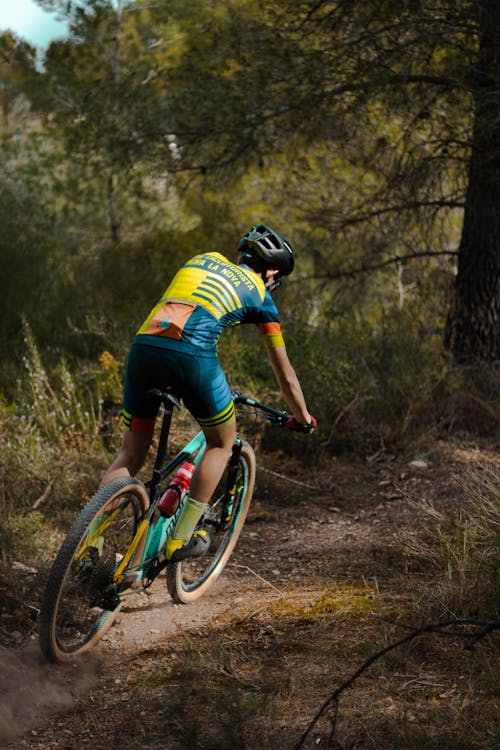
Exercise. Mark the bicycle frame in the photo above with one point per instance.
(94, 572)
(159, 527)
(153, 525)
(156, 527)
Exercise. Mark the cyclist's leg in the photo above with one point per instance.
(223, 522)
(220, 442)
(209, 399)
(131, 456)
(139, 411)
(129, 460)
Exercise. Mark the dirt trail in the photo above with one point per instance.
(335, 533)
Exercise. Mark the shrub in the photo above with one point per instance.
(52, 447)
(464, 551)
(369, 382)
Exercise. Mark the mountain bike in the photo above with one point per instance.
(116, 545)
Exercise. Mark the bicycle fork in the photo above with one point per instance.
(232, 472)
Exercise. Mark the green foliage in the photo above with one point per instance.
(34, 282)
(17, 70)
(30, 282)
(357, 156)
(468, 402)
(56, 411)
(372, 377)
(404, 362)
(108, 100)
(369, 374)
(363, 155)
(121, 283)
(52, 448)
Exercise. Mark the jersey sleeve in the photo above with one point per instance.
(269, 324)
(271, 335)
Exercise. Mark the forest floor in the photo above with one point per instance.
(323, 577)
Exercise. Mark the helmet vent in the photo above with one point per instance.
(269, 248)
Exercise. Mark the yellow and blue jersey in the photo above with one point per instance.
(208, 294)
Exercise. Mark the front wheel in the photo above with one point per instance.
(223, 520)
(82, 598)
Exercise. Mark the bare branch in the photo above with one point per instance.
(344, 273)
(42, 497)
(392, 209)
(483, 628)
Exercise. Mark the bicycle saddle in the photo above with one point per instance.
(166, 397)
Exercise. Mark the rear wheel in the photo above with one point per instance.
(223, 521)
(81, 598)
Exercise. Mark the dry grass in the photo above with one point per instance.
(254, 680)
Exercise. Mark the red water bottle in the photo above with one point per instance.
(176, 490)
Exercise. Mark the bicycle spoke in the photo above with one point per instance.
(223, 521)
(82, 595)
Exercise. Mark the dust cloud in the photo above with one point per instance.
(32, 690)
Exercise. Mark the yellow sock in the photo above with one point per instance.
(186, 523)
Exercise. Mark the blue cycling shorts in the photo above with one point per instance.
(199, 381)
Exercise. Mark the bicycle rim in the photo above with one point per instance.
(81, 599)
(189, 579)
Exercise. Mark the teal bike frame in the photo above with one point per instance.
(153, 524)
(89, 579)
(160, 526)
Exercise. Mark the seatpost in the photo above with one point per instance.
(162, 448)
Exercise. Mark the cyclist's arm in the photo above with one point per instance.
(289, 383)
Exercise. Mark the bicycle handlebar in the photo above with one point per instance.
(275, 416)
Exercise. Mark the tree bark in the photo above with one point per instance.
(114, 222)
(474, 320)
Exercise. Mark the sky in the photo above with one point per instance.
(29, 21)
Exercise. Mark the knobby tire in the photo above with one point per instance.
(80, 602)
(189, 579)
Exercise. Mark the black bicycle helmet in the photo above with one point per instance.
(264, 248)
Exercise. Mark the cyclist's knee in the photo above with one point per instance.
(221, 437)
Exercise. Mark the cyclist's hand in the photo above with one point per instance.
(296, 426)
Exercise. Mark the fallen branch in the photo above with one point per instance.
(356, 400)
(483, 628)
(245, 567)
(289, 479)
(42, 497)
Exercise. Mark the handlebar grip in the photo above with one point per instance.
(296, 426)
(275, 416)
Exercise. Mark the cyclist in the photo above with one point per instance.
(177, 346)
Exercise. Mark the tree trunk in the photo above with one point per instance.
(473, 324)
(114, 223)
